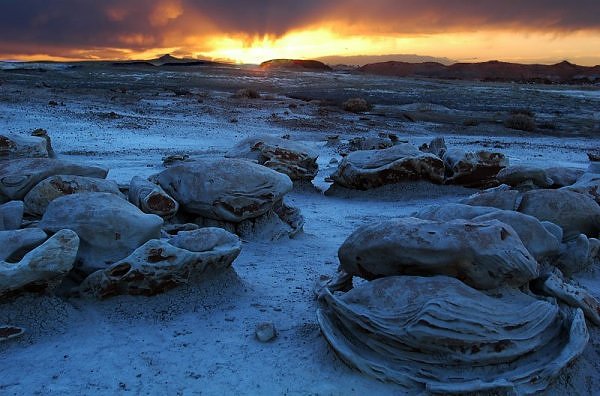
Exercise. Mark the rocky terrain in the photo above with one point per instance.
(222, 229)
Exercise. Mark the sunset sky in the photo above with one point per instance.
(252, 31)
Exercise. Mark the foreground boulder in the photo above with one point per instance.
(110, 228)
(452, 211)
(20, 146)
(588, 183)
(159, 265)
(473, 169)
(231, 190)
(18, 177)
(575, 213)
(38, 198)
(484, 255)
(294, 159)
(151, 198)
(363, 170)
(50, 261)
(563, 176)
(437, 335)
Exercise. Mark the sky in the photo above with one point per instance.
(252, 31)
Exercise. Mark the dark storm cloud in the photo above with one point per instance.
(32, 26)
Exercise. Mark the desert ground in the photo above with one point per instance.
(199, 338)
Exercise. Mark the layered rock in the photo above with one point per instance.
(516, 176)
(294, 159)
(160, 265)
(151, 198)
(363, 170)
(40, 196)
(18, 177)
(438, 335)
(16, 243)
(484, 255)
(501, 197)
(50, 261)
(110, 228)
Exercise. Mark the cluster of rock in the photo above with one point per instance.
(397, 162)
(472, 296)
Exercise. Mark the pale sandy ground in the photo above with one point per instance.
(199, 339)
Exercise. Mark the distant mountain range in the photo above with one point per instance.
(560, 73)
(361, 60)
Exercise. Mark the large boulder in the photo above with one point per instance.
(159, 265)
(11, 215)
(563, 176)
(518, 175)
(21, 146)
(232, 190)
(40, 196)
(473, 169)
(575, 213)
(18, 177)
(151, 198)
(452, 211)
(484, 255)
(110, 228)
(436, 335)
(363, 170)
(52, 260)
(294, 159)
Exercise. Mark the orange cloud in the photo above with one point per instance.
(165, 11)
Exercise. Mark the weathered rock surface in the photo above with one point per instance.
(500, 197)
(576, 255)
(110, 228)
(294, 159)
(158, 265)
(151, 198)
(438, 335)
(452, 211)
(21, 146)
(575, 213)
(232, 190)
(572, 295)
(363, 170)
(8, 332)
(265, 332)
(562, 176)
(40, 196)
(16, 243)
(478, 169)
(537, 239)
(11, 215)
(483, 255)
(588, 183)
(51, 260)
(369, 143)
(18, 177)
(516, 175)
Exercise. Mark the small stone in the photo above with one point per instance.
(8, 332)
(265, 332)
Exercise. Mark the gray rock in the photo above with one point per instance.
(500, 197)
(11, 215)
(232, 190)
(562, 176)
(51, 260)
(518, 174)
(158, 265)
(110, 228)
(575, 213)
(151, 198)
(20, 146)
(437, 335)
(40, 196)
(294, 159)
(483, 255)
(18, 177)
(265, 332)
(473, 169)
(363, 170)
(16, 243)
